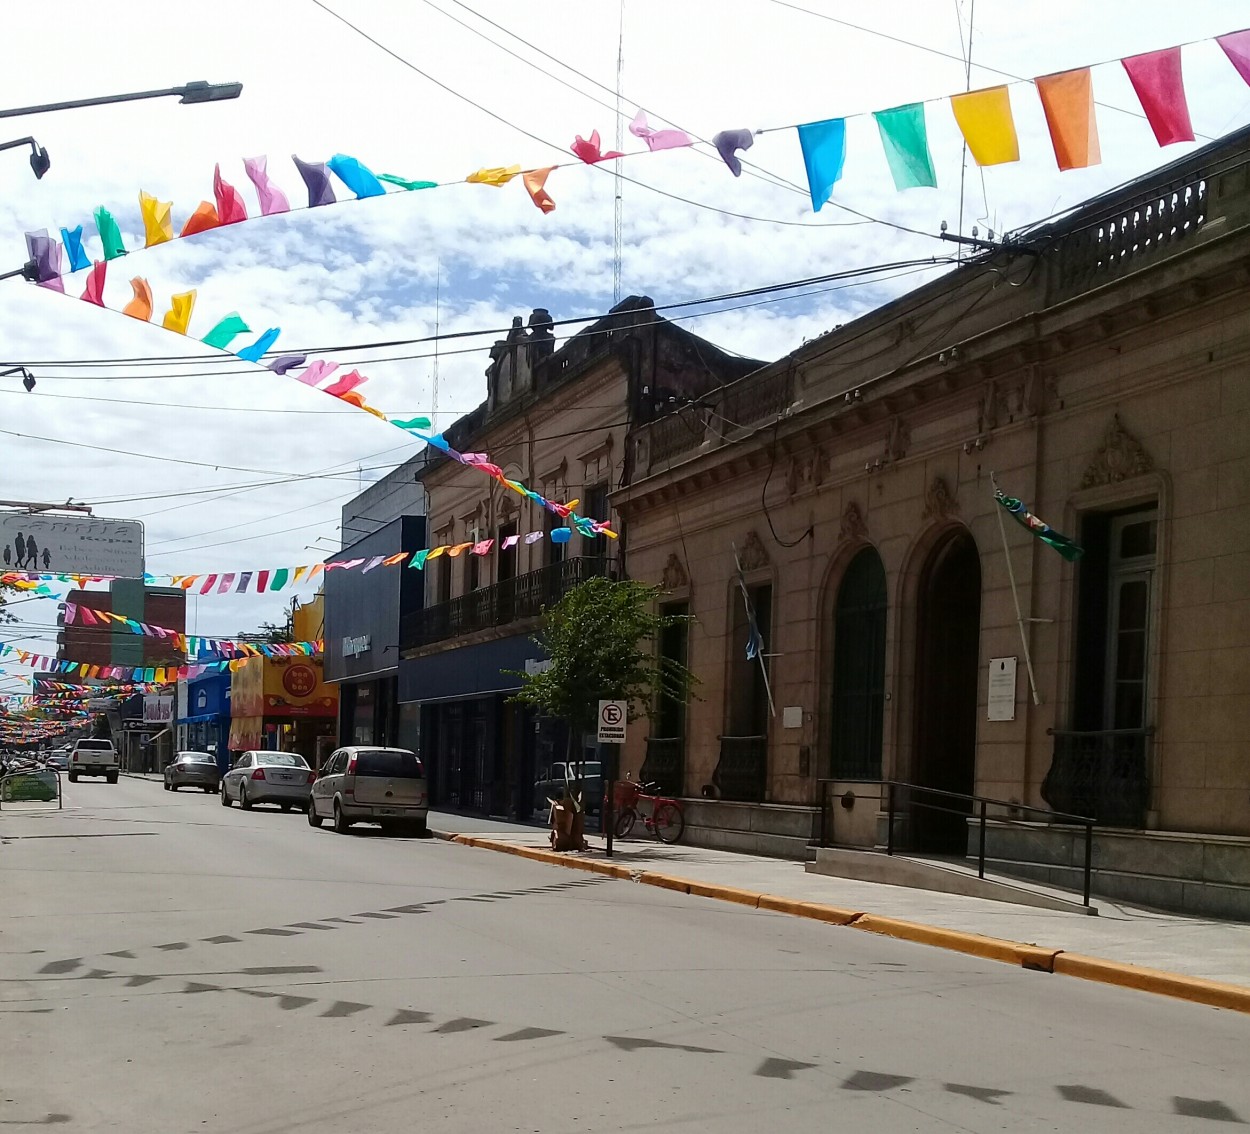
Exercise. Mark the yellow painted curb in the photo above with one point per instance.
(815, 911)
(991, 948)
(1211, 992)
(664, 881)
(724, 893)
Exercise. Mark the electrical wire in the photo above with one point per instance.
(561, 149)
(746, 293)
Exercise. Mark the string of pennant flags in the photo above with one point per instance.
(191, 645)
(984, 118)
(268, 580)
(149, 675)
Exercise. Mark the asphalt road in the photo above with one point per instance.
(167, 965)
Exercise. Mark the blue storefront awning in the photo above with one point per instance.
(202, 717)
(469, 671)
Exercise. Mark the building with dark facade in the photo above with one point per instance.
(363, 613)
(558, 421)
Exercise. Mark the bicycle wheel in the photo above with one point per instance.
(669, 822)
(625, 822)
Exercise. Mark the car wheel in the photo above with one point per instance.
(73, 777)
(341, 824)
(244, 802)
(314, 820)
(225, 796)
(167, 785)
(174, 787)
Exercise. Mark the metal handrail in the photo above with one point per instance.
(981, 804)
(60, 797)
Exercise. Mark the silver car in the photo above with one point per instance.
(367, 784)
(283, 778)
(192, 769)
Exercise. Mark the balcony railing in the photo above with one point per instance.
(1105, 775)
(665, 763)
(501, 603)
(742, 772)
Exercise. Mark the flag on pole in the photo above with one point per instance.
(1066, 547)
(755, 640)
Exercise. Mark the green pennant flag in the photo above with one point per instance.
(1066, 547)
(404, 183)
(413, 423)
(906, 144)
(226, 330)
(110, 234)
(280, 577)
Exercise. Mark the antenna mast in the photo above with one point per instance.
(620, 141)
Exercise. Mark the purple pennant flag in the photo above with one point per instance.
(244, 578)
(728, 142)
(320, 191)
(287, 362)
(46, 254)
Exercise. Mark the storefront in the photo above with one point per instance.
(283, 705)
(363, 610)
(204, 722)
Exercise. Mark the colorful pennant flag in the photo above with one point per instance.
(255, 351)
(984, 119)
(272, 199)
(658, 139)
(535, 181)
(406, 183)
(905, 139)
(204, 218)
(78, 258)
(590, 150)
(230, 206)
(320, 191)
(225, 331)
(1236, 45)
(728, 143)
(1068, 101)
(1069, 549)
(1156, 77)
(110, 234)
(179, 314)
(496, 176)
(357, 177)
(824, 155)
(95, 284)
(158, 225)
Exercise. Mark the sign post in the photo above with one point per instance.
(612, 719)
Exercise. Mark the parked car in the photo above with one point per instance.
(371, 785)
(283, 778)
(93, 758)
(192, 769)
(551, 784)
(59, 760)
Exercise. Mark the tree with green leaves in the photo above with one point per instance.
(601, 641)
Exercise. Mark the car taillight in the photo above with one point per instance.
(312, 777)
(259, 774)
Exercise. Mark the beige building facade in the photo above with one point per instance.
(1096, 368)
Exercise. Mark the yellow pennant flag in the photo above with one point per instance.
(985, 121)
(435, 552)
(179, 313)
(497, 176)
(158, 224)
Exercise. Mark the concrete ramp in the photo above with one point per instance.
(946, 877)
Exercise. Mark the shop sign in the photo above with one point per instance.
(354, 647)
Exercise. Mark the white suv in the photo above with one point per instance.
(93, 758)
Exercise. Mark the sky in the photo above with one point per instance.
(231, 467)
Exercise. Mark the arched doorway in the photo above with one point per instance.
(947, 646)
(859, 670)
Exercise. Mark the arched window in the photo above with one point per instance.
(859, 670)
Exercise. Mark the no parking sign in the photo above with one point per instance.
(612, 716)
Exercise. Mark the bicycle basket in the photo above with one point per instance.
(626, 794)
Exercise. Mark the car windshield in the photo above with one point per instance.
(393, 764)
(281, 759)
(96, 745)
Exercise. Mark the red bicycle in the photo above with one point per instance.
(663, 817)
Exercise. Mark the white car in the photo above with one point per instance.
(368, 784)
(93, 758)
(258, 776)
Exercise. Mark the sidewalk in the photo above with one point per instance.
(1213, 950)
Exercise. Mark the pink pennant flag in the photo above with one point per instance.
(227, 581)
(509, 541)
(473, 458)
(70, 610)
(658, 139)
(345, 385)
(483, 546)
(1156, 77)
(317, 370)
(88, 617)
(590, 149)
(1236, 46)
(209, 582)
(95, 283)
(272, 199)
(230, 206)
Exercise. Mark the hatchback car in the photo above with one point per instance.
(283, 778)
(363, 784)
(192, 769)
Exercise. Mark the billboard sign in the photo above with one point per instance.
(71, 545)
(158, 708)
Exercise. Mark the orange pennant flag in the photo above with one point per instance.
(141, 306)
(1068, 100)
(535, 181)
(204, 218)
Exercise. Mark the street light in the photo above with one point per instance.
(200, 91)
(39, 160)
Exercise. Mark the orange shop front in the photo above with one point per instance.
(282, 704)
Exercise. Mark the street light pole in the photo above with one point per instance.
(200, 91)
